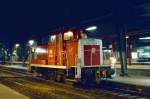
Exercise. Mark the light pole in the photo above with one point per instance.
(15, 52)
(31, 46)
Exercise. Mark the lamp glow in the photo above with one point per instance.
(145, 38)
(17, 45)
(127, 37)
(92, 28)
(31, 42)
(53, 37)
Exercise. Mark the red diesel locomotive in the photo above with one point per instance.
(71, 55)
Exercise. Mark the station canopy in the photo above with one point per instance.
(41, 17)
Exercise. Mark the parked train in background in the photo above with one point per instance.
(71, 55)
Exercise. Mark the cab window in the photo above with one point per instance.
(68, 35)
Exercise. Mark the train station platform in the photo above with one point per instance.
(7, 93)
(137, 66)
(16, 66)
(132, 83)
(132, 79)
(136, 70)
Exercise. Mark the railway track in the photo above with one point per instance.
(38, 90)
(26, 81)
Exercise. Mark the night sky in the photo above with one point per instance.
(21, 20)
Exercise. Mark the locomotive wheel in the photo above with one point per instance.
(34, 73)
(63, 78)
(52, 76)
(58, 77)
(86, 77)
(84, 81)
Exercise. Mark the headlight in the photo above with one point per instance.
(104, 72)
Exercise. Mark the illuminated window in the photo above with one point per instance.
(40, 50)
(68, 35)
(134, 55)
